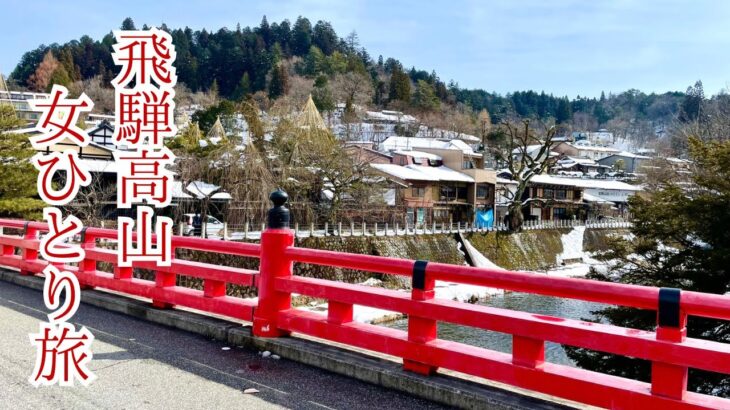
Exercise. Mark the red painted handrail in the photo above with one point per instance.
(668, 349)
(163, 291)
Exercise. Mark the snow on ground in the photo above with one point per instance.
(572, 244)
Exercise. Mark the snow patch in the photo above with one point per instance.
(572, 244)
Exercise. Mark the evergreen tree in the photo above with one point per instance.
(18, 196)
(60, 76)
(400, 85)
(322, 95)
(301, 36)
(214, 89)
(265, 31)
(692, 104)
(315, 62)
(279, 84)
(563, 113)
(128, 24)
(324, 37)
(425, 97)
(244, 87)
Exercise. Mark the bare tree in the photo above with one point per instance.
(97, 90)
(353, 88)
(528, 155)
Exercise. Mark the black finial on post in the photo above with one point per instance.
(279, 214)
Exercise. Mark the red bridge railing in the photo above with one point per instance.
(668, 349)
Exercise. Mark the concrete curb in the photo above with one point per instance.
(440, 388)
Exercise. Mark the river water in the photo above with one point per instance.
(560, 307)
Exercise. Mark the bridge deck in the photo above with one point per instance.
(143, 365)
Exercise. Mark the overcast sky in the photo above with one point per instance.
(563, 47)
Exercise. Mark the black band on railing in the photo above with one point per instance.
(82, 239)
(668, 313)
(418, 280)
(25, 227)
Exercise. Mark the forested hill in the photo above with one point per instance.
(245, 60)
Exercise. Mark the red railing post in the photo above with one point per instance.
(87, 265)
(528, 352)
(6, 250)
(164, 280)
(421, 329)
(667, 379)
(28, 254)
(273, 264)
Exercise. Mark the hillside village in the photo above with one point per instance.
(423, 176)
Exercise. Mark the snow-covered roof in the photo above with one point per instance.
(390, 116)
(201, 189)
(422, 173)
(506, 181)
(395, 143)
(626, 154)
(578, 160)
(418, 154)
(221, 195)
(532, 151)
(584, 183)
(178, 191)
(594, 148)
(594, 199)
(403, 172)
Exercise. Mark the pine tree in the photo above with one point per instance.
(400, 86)
(279, 84)
(563, 112)
(322, 95)
(128, 24)
(243, 88)
(60, 76)
(301, 36)
(425, 96)
(213, 91)
(324, 37)
(18, 196)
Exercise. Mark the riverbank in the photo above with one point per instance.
(571, 244)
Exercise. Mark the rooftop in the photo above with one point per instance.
(418, 154)
(395, 143)
(421, 173)
(584, 183)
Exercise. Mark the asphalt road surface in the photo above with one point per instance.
(142, 365)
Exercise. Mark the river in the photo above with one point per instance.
(560, 307)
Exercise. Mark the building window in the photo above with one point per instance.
(561, 194)
(417, 160)
(418, 192)
(576, 195)
(467, 164)
(448, 193)
(482, 191)
(558, 213)
(547, 193)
